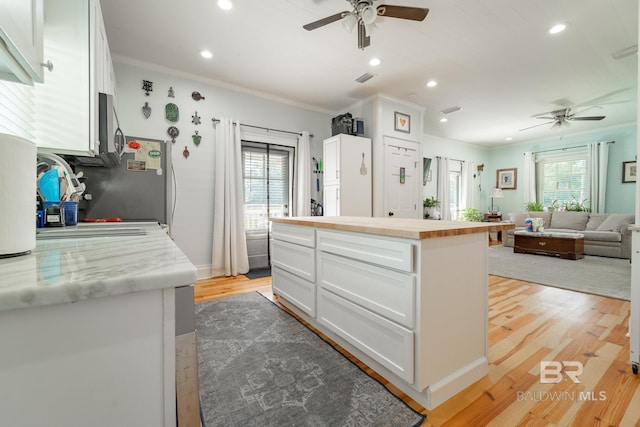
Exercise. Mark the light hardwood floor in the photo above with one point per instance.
(528, 323)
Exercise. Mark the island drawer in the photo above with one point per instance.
(296, 259)
(386, 342)
(300, 235)
(386, 252)
(388, 293)
(296, 290)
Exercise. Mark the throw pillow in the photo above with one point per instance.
(595, 219)
(569, 220)
(614, 222)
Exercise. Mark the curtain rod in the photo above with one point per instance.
(568, 148)
(455, 160)
(216, 121)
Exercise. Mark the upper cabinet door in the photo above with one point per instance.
(21, 53)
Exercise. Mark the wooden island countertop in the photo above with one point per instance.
(397, 227)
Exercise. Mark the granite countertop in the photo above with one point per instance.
(68, 270)
(397, 227)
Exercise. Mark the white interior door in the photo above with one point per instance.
(402, 179)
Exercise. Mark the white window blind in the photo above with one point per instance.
(16, 109)
(266, 174)
(561, 177)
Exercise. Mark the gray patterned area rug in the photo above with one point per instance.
(259, 366)
(608, 277)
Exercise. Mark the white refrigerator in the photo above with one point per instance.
(347, 176)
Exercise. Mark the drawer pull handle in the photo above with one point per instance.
(542, 243)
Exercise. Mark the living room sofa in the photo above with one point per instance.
(604, 234)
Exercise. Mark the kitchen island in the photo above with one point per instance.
(407, 297)
(87, 326)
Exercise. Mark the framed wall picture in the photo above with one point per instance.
(507, 179)
(402, 122)
(628, 172)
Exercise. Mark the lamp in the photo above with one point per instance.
(349, 21)
(495, 192)
(364, 15)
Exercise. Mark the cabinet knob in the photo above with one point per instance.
(48, 65)
(390, 213)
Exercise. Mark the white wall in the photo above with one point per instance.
(433, 147)
(193, 219)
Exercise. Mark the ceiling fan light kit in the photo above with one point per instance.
(364, 14)
(562, 118)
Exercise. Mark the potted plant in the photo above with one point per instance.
(553, 206)
(534, 207)
(575, 206)
(470, 214)
(430, 204)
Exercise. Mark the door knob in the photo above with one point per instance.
(390, 213)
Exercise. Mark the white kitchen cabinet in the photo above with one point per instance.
(293, 265)
(21, 52)
(347, 176)
(66, 105)
(391, 292)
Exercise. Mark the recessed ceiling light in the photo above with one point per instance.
(432, 83)
(225, 4)
(374, 62)
(444, 120)
(206, 54)
(508, 139)
(558, 28)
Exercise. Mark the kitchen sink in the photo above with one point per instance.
(82, 231)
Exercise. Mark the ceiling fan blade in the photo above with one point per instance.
(535, 126)
(403, 12)
(588, 118)
(324, 21)
(363, 39)
(547, 118)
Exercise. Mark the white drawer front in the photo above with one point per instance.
(299, 234)
(296, 259)
(296, 290)
(386, 342)
(386, 292)
(388, 253)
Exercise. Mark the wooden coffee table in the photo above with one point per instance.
(563, 245)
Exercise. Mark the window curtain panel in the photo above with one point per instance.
(443, 188)
(303, 176)
(597, 160)
(529, 178)
(229, 241)
(467, 188)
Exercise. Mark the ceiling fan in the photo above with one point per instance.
(364, 15)
(563, 118)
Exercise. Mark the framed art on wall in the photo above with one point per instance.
(507, 179)
(402, 122)
(628, 172)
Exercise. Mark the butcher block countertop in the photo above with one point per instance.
(397, 227)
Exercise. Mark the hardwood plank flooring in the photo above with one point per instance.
(528, 323)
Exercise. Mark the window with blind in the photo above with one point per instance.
(16, 109)
(562, 178)
(267, 173)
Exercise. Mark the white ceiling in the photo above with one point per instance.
(494, 58)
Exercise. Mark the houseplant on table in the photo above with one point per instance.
(470, 214)
(430, 204)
